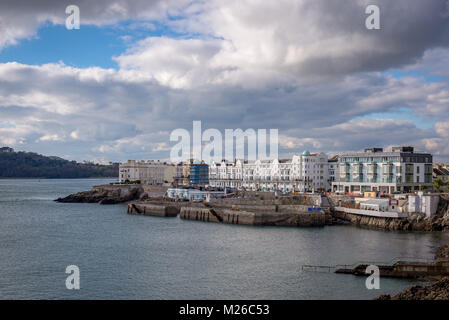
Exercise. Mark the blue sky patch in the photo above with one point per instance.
(86, 47)
(401, 114)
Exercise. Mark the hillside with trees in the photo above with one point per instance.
(33, 165)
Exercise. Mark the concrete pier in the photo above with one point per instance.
(229, 216)
(157, 210)
(403, 269)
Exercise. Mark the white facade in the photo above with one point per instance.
(149, 173)
(192, 194)
(375, 170)
(333, 170)
(226, 174)
(424, 203)
(305, 172)
(375, 204)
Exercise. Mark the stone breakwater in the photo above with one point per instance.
(230, 216)
(148, 209)
(260, 210)
(245, 211)
(263, 208)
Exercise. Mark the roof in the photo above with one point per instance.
(441, 171)
(376, 201)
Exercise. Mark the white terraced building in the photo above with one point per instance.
(226, 174)
(400, 169)
(149, 172)
(305, 172)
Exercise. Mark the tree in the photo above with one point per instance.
(438, 184)
(422, 187)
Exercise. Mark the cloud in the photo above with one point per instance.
(251, 43)
(307, 68)
(19, 19)
(117, 113)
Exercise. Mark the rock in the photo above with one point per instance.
(442, 253)
(383, 297)
(111, 201)
(438, 290)
(105, 194)
(415, 222)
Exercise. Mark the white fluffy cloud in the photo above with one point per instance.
(251, 43)
(307, 68)
(115, 114)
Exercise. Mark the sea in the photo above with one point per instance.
(122, 256)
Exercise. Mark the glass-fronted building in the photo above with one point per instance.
(400, 169)
(199, 174)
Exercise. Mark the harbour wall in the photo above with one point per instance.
(228, 216)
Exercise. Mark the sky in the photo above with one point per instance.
(136, 70)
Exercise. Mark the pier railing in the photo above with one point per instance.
(333, 268)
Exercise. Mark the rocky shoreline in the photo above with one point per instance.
(415, 222)
(112, 194)
(106, 194)
(438, 290)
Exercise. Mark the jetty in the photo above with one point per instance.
(296, 211)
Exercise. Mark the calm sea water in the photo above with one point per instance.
(124, 256)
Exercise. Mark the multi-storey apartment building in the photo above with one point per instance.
(305, 172)
(315, 171)
(273, 175)
(400, 169)
(199, 174)
(172, 172)
(149, 172)
(226, 174)
(6, 149)
(333, 169)
(191, 173)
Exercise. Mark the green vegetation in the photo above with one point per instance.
(438, 184)
(33, 165)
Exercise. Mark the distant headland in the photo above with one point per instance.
(32, 165)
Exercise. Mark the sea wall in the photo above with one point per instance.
(404, 270)
(414, 222)
(228, 216)
(200, 214)
(149, 209)
(266, 200)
